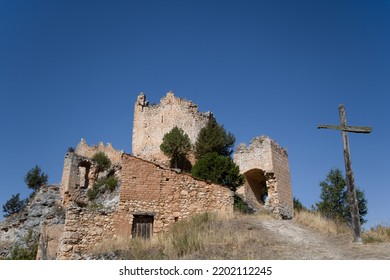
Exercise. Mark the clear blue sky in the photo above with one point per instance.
(72, 70)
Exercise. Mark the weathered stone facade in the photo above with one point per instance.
(146, 189)
(151, 189)
(265, 166)
(79, 171)
(152, 122)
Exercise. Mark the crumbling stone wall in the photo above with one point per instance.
(79, 171)
(145, 188)
(152, 122)
(85, 229)
(86, 223)
(148, 188)
(265, 162)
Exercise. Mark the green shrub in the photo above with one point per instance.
(102, 185)
(102, 161)
(93, 192)
(29, 250)
(111, 182)
(242, 206)
(218, 169)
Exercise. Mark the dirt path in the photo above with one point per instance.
(290, 240)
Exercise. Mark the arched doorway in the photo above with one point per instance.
(256, 185)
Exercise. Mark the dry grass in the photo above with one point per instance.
(203, 236)
(315, 221)
(238, 237)
(377, 234)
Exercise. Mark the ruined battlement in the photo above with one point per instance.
(151, 123)
(84, 150)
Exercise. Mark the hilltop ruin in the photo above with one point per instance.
(150, 197)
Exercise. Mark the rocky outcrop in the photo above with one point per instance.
(43, 210)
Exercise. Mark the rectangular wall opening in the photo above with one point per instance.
(142, 226)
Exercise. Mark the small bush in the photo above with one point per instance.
(29, 250)
(111, 182)
(242, 206)
(93, 192)
(102, 185)
(102, 161)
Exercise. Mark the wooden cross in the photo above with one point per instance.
(353, 203)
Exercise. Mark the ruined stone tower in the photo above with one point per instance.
(152, 122)
(265, 167)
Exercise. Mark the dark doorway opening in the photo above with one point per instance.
(142, 226)
(256, 181)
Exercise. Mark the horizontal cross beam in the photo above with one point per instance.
(347, 128)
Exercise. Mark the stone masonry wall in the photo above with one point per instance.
(84, 230)
(266, 156)
(148, 188)
(152, 122)
(79, 171)
(282, 174)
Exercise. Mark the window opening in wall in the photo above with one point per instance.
(142, 226)
(84, 168)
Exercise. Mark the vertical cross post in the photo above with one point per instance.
(352, 199)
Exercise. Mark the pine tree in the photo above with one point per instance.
(334, 198)
(35, 178)
(176, 145)
(213, 138)
(218, 169)
(13, 205)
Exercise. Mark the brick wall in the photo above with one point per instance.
(148, 188)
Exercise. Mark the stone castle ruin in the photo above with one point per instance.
(150, 197)
(264, 163)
